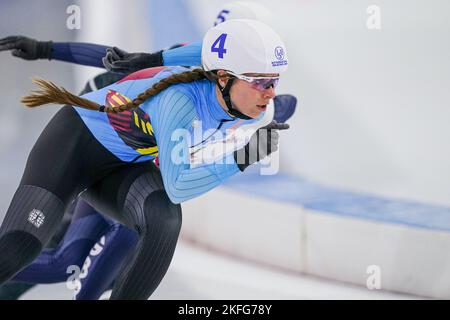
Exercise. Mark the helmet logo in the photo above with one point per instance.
(279, 53)
(281, 57)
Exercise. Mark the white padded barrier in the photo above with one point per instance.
(300, 226)
(410, 260)
(256, 229)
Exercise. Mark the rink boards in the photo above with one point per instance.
(296, 225)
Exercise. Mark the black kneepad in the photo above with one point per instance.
(147, 203)
(160, 210)
(35, 211)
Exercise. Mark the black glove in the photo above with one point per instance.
(119, 61)
(263, 142)
(26, 48)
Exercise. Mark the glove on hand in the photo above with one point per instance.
(119, 61)
(27, 48)
(262, 143)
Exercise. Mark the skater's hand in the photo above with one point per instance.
(263, 142)
(120, 61)
(26, 48)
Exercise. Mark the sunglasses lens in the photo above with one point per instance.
(264, 84)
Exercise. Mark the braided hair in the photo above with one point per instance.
(50, 93)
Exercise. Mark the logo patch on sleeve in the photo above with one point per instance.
(133, 127)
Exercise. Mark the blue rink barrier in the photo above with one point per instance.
(310, 195)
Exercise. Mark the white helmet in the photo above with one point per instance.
(244, 46)
(242, 10)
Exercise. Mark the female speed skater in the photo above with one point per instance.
(122, 182)
(51, 266)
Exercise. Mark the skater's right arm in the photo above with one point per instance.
(88, 54)
(95, 55)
